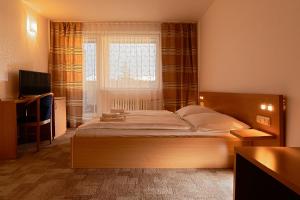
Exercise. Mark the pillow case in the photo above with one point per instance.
(193, 109)
(214, 122)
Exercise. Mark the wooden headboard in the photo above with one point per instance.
(246, 108)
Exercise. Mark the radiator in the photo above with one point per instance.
(136, 104)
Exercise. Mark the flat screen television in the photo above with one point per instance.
(33, 83)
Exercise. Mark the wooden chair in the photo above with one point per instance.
(39, 111)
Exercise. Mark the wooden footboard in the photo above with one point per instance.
(153, 152)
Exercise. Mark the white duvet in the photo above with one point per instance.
(142, 120)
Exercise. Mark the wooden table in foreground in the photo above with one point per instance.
(267, 173)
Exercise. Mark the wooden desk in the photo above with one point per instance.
(60, 117)
(8, 128)
(267, 173)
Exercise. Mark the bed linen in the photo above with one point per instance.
(142, 120)
(149, 123)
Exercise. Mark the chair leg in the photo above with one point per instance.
(50, 139)
(25, 135)
(38, 139)
(50, 135)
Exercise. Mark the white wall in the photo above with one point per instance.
(253, 46)
(19, 50)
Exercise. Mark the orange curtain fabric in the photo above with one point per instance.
(179, 65)
(65, 66)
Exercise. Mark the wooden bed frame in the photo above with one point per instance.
(183, 151)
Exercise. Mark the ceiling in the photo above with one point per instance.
(120, 10)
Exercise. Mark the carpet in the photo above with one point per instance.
(47, 175)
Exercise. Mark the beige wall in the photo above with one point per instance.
(253, 46)
(19, 50)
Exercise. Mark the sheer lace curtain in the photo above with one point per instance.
(122, 66)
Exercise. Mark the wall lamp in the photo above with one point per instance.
(268, 107)
(201, 100)
(31, 26)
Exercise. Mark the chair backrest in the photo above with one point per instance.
(46, 107)
(43, 111)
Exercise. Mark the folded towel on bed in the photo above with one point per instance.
(117, 110)
(111, 117)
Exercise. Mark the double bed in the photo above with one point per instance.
(159, 139)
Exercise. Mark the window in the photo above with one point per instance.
(122, 68)
(131, 62)
(134, 61)
(90, 61)
(90, 78)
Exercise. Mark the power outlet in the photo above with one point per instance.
(263, 120)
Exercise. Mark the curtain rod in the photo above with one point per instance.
(124, 22)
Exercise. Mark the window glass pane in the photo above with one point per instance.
(90, 77)
(90, 61)
(132, 61)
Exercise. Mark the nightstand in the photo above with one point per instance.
(267, 173)
(251, 135)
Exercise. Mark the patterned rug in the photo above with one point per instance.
(47, 175)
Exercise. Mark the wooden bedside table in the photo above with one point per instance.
(250, 135)
(267, 173)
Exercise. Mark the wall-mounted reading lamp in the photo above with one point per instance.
(267, 107)
(270, 107)
(201, 100)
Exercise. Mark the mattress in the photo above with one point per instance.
(148, 133)
(145, 124)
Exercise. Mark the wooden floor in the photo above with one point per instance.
(47, 175)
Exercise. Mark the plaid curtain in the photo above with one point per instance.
(65, 66)
(179, 65)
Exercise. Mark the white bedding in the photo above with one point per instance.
(142, 120)
(146, 124)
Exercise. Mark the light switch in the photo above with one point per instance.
(263, 120)
(267, 121)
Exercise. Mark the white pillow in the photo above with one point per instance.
(193, 109)
(214, 122)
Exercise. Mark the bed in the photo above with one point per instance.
(162, 139)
